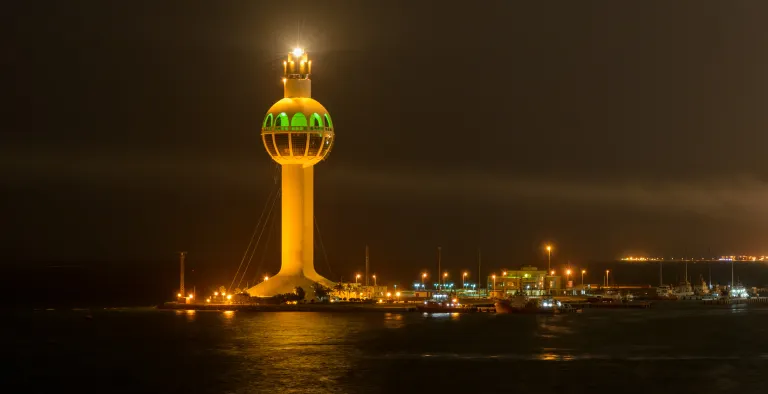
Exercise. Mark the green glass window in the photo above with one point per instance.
(315, 120)
(299, 120)
(328, 121)
(282, 120)
(268, 121)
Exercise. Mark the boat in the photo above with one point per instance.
(738, 291)
(683, 291)
(522, 305)
(703, 289)
(608, 296)
(445, 307)
(664, 291)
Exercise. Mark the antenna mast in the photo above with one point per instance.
(366, 265)
(479, 278)
(182, 255)
(439, 271)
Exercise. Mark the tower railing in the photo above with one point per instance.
(296, 128)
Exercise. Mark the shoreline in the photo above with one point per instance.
(348, 308)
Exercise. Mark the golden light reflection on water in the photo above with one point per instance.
(190, 315)
(393, 320)
(554, 357)
(295, 347)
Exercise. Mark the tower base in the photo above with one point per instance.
(281, 284)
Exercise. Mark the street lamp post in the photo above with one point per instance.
(607, 282)
(582, 278)
(374, 280)
(494, 283)
(549, 257)
(445, 277)
(356, 278)
(423, 276)
(464, 281)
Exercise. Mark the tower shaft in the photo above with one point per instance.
(297, 221)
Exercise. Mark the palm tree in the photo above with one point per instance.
(339, 288)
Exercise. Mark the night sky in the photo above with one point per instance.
(130, 130)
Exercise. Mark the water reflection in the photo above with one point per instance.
(554, 357)
(190, 315)
(290, 349)
(394, 320)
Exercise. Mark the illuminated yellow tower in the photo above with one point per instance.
(298, 133)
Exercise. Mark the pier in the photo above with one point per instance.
(734, 301)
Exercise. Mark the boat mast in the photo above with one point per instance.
(732, 282)
(479, 281)
(366, 266)
(439, 272)
(661, 273)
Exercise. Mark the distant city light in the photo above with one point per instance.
(297, 52)
(721, 258)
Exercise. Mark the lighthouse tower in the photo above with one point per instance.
(298, 133)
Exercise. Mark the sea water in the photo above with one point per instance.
(674, 347)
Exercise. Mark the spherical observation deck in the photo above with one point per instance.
(297, 130)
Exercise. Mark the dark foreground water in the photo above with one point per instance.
(668, 349)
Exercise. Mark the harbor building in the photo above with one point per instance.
(528, 280)
(297, 132)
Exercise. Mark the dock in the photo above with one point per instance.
(611, 305)
(309, 307)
